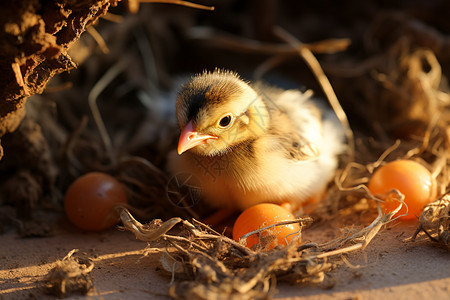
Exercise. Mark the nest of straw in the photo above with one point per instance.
(435, 221)
(205, 263)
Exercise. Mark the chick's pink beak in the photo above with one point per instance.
(189, 138)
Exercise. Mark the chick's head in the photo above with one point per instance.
(217, 111)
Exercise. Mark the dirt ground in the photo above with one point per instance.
(389, 268)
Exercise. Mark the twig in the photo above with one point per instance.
(148, 58)
(340, 251)
(181, 3)
(348, 263)
(317, 70)
(245, 45)
(426, 138)
(205, 226)
(126, 161)
(358, 184)
(98, 88)
(239, 246)
(98, 39)
(58, 88)
(67, 148)
(144, 234)
(383, 156)
(112, 17)
(369, 232)
(419, 229)
(245, 236)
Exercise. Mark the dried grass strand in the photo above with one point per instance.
(325, 84)
(98, 39)
(259, 230)
(95, 92)
(112, 17)
(67, 150)
(181, 3)
(246, 45)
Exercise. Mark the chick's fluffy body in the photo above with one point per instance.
(280, 146)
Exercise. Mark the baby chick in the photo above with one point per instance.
(251, 143)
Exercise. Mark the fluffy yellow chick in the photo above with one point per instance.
(251, 143)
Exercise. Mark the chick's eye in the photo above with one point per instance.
(225, 121)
